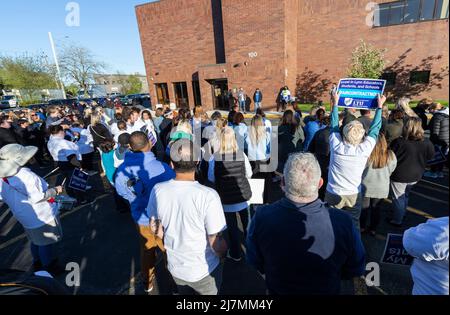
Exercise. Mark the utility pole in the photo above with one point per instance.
(58, 71)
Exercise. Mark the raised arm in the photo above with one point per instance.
(375, 128)
(335, 111)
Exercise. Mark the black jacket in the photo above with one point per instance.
(100, 133)
(439, 129)
(231, 183)
(422, 114)
(412, 157)
(8, 136)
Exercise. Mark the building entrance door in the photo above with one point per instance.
(181, 94)
(162, 93)
(220, 91)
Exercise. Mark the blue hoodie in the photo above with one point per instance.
(136, 178)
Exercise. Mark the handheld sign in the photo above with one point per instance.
(257, 187)
(360, 93)
(79, 180)
(394, 252)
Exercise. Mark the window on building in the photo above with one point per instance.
(390, 77)
(427, 12)
(441, 11)
(410, 11)
(419, 77)
(162, 93)
(397, 12)
(197, 94)
(181, 94)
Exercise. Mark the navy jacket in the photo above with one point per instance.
(304, 248)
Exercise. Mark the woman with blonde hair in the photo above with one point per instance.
(403, 105)
(258, 150)
(413, 151)
(375, 184)
(229, 169)
(98, 130)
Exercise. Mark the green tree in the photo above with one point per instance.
(72, 90)
(27, 73)
(367, 62)
(131, 85)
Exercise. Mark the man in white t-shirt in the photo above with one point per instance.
(190, 220)
(134, 122)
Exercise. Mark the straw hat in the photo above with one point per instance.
(13, 157)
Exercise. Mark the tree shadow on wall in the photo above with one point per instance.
(311, 86)
(403, 70)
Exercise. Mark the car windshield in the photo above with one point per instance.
(8, 97)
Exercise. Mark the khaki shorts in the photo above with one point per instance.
(47, 234)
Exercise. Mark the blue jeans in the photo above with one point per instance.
(242, 106)
(400, 197)
(44, 254)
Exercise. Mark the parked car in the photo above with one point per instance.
(9, 101)
(63, 102)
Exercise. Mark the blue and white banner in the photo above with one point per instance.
(360, 93)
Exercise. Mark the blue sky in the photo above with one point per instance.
(108, 28)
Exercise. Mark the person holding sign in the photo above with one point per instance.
(348, 158)
(32, 203)
(67, 156)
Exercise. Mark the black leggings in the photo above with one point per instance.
(233, 231)
(371, 206)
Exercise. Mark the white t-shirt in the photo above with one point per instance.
(189, 212)
(137, 126)
(60, 149)
(347, 164)
(24, 194)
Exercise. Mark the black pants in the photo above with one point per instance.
(122, 205)
(87, 162)
(234, 232)
(371, 206)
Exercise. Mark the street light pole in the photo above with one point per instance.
(52, 43)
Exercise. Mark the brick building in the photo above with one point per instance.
(195, 50)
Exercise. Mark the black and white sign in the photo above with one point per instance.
(394, 252)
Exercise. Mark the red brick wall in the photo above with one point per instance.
(330, 29)
(176, 37)
(255, 26)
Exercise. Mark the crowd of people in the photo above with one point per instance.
(186, 179)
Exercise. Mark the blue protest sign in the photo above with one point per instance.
(395, 253)
(79, 180)
(360, 93)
